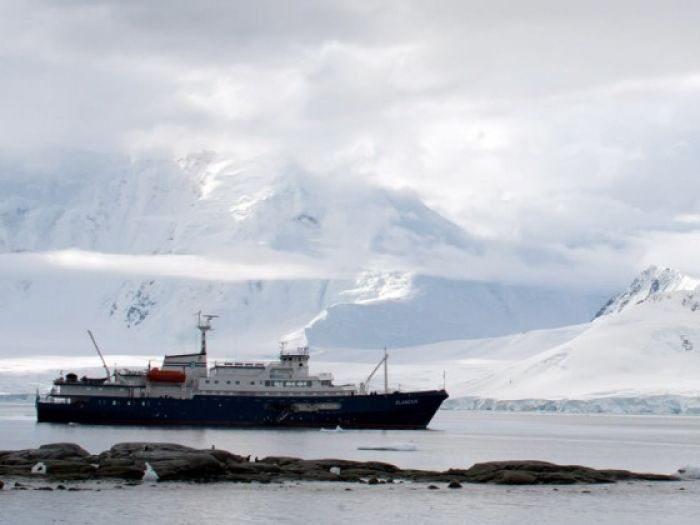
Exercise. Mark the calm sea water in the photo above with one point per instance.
(456, 439)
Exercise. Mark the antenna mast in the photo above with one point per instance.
(104, 363)
(204, 325)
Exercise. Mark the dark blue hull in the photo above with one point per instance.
(399, 410)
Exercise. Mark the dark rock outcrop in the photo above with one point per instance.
(542, 472)
(168, 461)
(61, 458)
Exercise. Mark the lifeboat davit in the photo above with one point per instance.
(166, 376)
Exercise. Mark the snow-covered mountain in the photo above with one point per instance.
(642, 359)
(424, 309)
(211, 206)
(651, 348)
(652, 281)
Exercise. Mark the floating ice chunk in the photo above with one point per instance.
(335, 470)
(149, 474)
(39, 468)
(399, 447)
(336, 429)
(689, 472)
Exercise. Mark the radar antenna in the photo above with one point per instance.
(204, 325)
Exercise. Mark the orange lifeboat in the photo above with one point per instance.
(166, 376)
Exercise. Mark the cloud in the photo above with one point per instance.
(563, 130)
(267, 266)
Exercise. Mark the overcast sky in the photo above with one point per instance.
(563, 125)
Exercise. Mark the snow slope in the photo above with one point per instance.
(436, 309)
(642, 358)
(651, 348)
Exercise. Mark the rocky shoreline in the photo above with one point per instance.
(136, 462)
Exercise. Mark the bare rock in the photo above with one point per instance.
(20, 462)
(516, 477)
(121, 471)
(170, 461)
(192, 466)
(541, 472)
(62, 451)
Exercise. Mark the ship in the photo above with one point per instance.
(184, 390)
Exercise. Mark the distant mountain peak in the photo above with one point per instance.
(651, 282)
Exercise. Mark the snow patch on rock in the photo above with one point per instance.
(149, 474)
(39, 468)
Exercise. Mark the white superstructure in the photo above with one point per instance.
(184, 376)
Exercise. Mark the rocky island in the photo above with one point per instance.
(172, 462)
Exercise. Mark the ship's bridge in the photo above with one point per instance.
(193, 365)
(297, 361)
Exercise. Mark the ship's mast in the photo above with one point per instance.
(104, 363)
(204, 325)
(386, 372)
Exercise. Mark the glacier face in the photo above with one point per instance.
(212, 206)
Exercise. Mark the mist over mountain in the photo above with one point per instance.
(134, 248)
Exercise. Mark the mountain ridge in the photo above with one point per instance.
(653, 280)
